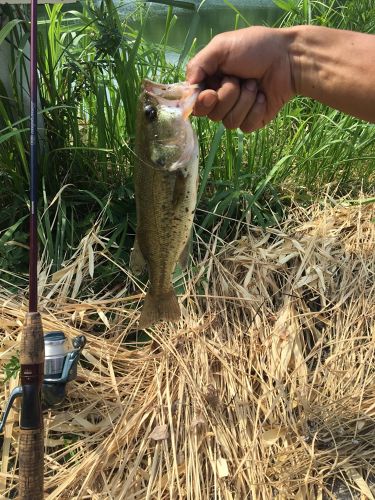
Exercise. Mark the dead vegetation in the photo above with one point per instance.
(265, 389)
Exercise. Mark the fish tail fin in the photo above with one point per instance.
(158, 307)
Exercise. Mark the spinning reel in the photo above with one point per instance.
(60, 367)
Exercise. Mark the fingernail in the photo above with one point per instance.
(209, 100)
(229, 79)
(261, 98)
(251, 85)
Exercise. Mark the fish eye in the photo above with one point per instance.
(150, 113)
(161, 161)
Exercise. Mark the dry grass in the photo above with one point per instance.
(266, 389)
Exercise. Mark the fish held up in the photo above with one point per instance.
(165, 180)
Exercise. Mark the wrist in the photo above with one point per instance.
(297, 54)
(291, 42)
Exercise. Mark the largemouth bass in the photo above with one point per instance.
(166, 177)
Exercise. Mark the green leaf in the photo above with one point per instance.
(11, 368)
(307, 11)
(174, 3)
(13, 133)
(8, 28)
(241, 16)
(211, 157)
(287, 5)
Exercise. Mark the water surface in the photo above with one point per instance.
(211, 18)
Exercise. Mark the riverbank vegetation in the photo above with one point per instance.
(91, 62)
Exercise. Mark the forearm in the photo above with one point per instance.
(334, 67)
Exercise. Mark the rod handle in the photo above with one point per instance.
(31, 462)
(31, 443)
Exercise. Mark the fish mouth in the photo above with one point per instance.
(178, 95)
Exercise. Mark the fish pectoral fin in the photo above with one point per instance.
(137, 262)
(185, 254)
(159, 307)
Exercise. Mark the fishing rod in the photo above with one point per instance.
(31, 443)
(46, 364)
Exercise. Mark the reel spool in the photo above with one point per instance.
(60, 366)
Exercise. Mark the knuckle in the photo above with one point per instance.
(214, 117)
(199, 112)
(249, 88)
(246, 126)
(229, 122)
(218, 39)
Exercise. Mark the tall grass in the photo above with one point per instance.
(91, 63)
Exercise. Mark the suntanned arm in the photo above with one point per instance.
(335, 67)
(250, 73)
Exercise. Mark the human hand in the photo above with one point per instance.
(247, 76)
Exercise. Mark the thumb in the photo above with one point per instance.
(206, 63)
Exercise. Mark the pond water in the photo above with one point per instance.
(210, 18)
